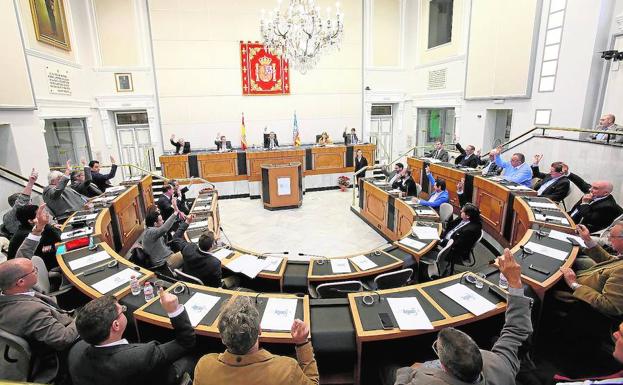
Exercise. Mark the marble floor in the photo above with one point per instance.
(323, 225)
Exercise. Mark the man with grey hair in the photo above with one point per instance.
(517, 170)
(598, 208)
(460, 360)
(606, 123)
(244, 362)
(62, 201)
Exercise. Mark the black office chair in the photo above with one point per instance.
(336, 289)
(432, 260)
(18, 364)
(472, 258)
(318, 138)
(390, 280)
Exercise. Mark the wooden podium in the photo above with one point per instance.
(282, 185)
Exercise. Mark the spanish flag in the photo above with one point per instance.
(295, 132)
(243, 134)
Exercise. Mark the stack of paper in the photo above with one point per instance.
(565, 237)
(198, 306)
(114, 189)
(412, 243)
(409, 314)
(363, 262)
(197, 225)
(204, 199)
(81, 218)
(469, 299)
(424, 211)
(549, 218)
(518, 187)
(114, 281)
(425, 232)
(546, 250)
(222, 254)
(201, 208)
(273, 263)
(76, 233)
(249, 265)
(89, 260)
(279, 314)
(340, 265)
(543, 205)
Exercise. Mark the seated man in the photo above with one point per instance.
(468, 158)
(405, 183)
(28, 314)
(490, 168)
(439, 194)
(465, 230)
(599, 281)
(179, 193)
(394, 175)
(270, 139)
(197, 258)
(596, 209)
(351, 138)
(81, 181)
(606, 123)
(153, 239)
(460, 360)
(60, 200)
(105, 357)
(221, 142)
(439, 153)
(324, 139)
(165, 203)
(554, 185)
(243, 360)
(46, 249)
(517, 170)
(9, 221)
(102, 181)
(181, 146)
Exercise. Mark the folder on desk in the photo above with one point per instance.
(469, 299)
(409, 314)
(246, 264)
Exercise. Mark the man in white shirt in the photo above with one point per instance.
(606, 123)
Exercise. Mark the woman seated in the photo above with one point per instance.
(324, 139)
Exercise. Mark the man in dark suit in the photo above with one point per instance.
(465, 230)
(350, 139)
(360, 162)
(104, 357)
(406, 184)
(46, 249)
(597, 209)
(489, 166)
(554, 185)
(81, 181)
(270, 140)
(61, 200)
(165, 205)
(439, 153)
(197, 258)
(181, 146)
(102, 181)
(179, 193)
(222, 144)
(468, 158)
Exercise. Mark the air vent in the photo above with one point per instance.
(437, 79)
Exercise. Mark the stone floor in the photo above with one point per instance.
(323, 225)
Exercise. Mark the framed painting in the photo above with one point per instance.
(124, 82)
(50, 23)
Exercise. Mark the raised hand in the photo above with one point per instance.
(537, 158)
(33, 176)
(510, 268)
(112, 160)
(299, 331)
(584, 233)
(190, 218)
(169, 301)
(68, 167)
(41, 219)
(173, 137)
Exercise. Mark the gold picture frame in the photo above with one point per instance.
(123, 81)
(48, 17)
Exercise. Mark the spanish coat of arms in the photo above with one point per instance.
(262, 72)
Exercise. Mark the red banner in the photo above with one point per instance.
(262, 72)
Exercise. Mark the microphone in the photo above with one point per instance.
(321, 261)
(269, 253)
(525, 252)
(226, 237)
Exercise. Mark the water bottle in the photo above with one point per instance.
(134, 285)
(503, 281)
(148, 290)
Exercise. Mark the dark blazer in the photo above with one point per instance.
(50, 236)
(202, 265)
(267, 141)
(578, 181)
(557, 191)
(461, 160)
(130, 364)
(181, 200)
(464, 238)
(178, 146)
(87, 188)
(102, 181)
(442, 155)
(596, 215)
(165, 207)
(219, 144)
(359, 165)
(348, 139)
(406, 185)
(494, 169)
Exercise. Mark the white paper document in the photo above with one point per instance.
(81, 218)
(412, 243)
(520, 187)
(89, 260)
(198, 306)
(432, 160)
(363, 262)
(423, 211)
(546, 250)
(273, 263)
(563, 237)
(196, 225)
(202, 208)
(104, 199)
(76, 233)
(409, 314)
(548, 218)
(248, 265)
(283, 186)
(340, 265)
(279, 314)
(115, 189)
(543, 205)
(204, 200)
(469, 299)
(114, 281)
(394, 191)
(222, 254)
(425, 232)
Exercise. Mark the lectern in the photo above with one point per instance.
(282, 185)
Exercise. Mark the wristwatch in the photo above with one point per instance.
(574, 286)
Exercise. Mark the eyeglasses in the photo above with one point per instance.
(34, 270)
(608, 234)
(434, 346)
(123, 310)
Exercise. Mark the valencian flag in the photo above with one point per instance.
(295, 132)
(243, 135)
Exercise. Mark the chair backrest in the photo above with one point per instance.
(43, 279)
(187, 277)
(445, 212)
(139, 257)
(393, 279)
(338, 289)
(16, 355)
(443, 253)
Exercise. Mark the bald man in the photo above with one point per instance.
(598, 208)
(606, 123)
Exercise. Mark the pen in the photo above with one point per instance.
(93, 271)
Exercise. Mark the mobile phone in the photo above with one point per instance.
(386, 321)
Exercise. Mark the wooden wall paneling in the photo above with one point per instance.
(174, 166)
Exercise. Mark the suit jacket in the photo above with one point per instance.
(464, 238)
(62, 201)
(185, 149)
(596, 215)
(406, 185)
(130, 364)
(490, 167)
(165, 206)
(463, 160)
(556, 191)
(50, 236)
(500, 365)
(153, 242)
(202, 265)
(267, 141)
(102, 181)
(602, 284)
(359, 165)
(259, 368)
(579, 182)
(442, 155)
(349, 139)
(219, 145)
(9, 221)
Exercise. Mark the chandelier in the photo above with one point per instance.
(300, 34)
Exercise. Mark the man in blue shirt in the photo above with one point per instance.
(439, 194)
(517, 170)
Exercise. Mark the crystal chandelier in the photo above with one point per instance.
(300, 34)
